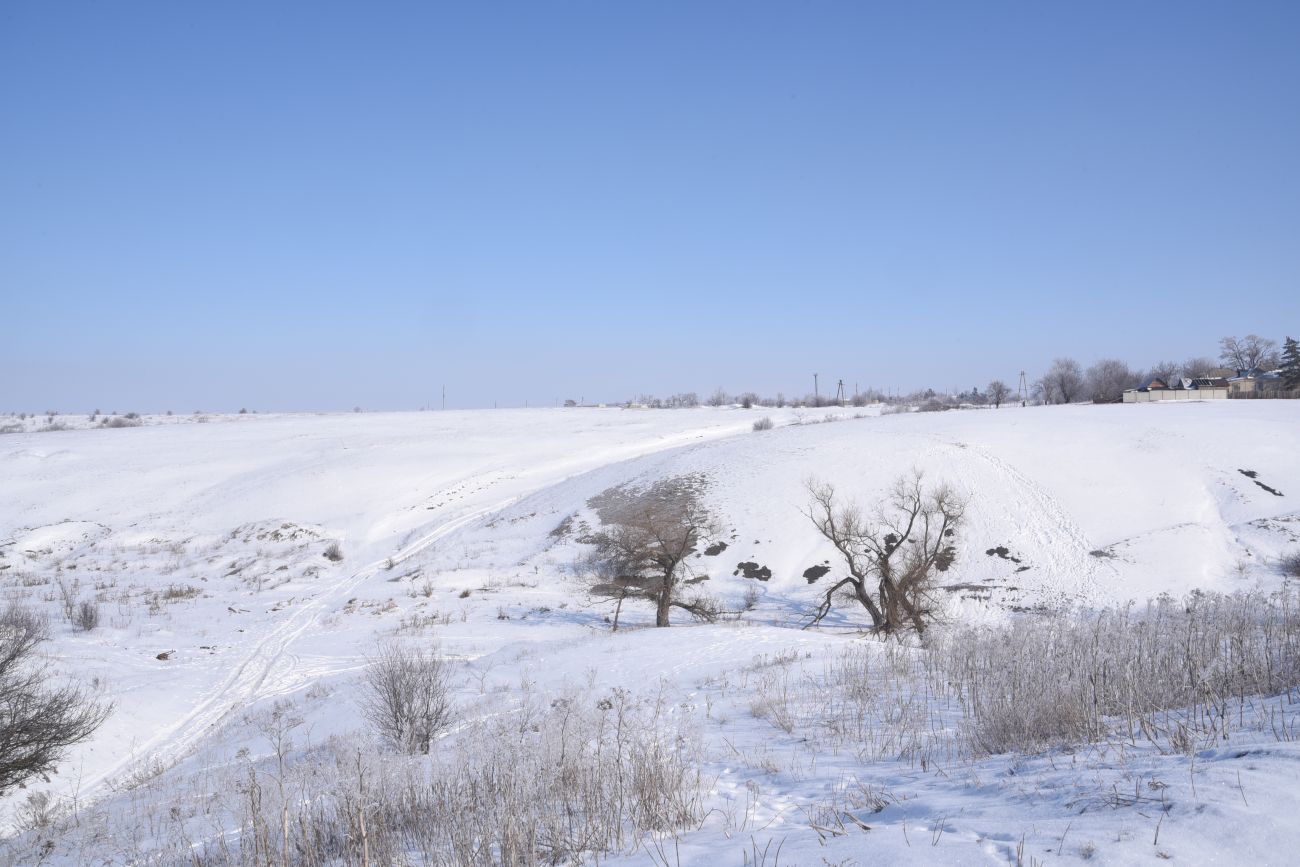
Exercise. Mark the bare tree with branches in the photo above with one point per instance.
(1249, 352)
(1109, 378)
(998, 391)
(1165, 371)
(1063, 381)
(892, 557)
(1195, 368)
(648, 535)
(39, 719)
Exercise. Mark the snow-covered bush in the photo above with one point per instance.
(407, 696)
(764, 423)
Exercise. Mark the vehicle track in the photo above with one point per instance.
(255, 676)
(1059, 540)
(247, 682)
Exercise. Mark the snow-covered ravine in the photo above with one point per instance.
(205, 541)
(206, 544)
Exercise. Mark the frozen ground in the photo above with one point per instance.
(205, 545)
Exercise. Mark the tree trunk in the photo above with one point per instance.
(860, 590)
(664, 606)
(918, 623)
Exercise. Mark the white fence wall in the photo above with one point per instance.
(1176, 394)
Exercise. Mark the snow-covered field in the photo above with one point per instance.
(205, 547)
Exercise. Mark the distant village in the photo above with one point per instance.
(1247, 367)
(1220, 384)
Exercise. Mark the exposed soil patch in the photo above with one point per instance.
(1254, 477)
(812, 573)
(715, 549)
(565, 527)
(1005, 553)
(753, 570)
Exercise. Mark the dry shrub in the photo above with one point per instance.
(1168, 674)
(542, 784)
(86, 616)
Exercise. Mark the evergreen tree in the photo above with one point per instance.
(1290, 363)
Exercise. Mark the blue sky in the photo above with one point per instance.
(319, 205)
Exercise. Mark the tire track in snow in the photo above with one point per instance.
(1076, 572)
(246, 683)
(252, 679)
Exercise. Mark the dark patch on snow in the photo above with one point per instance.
(715, 549)
(1004, 552)
(812, 573)
(753, 570)
(1254, 477)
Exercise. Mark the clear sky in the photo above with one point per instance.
(319, 205)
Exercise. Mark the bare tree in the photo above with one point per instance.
(719, 398)
(997, 392)
(39, 719)
(1109, 378)
(892, 557)
(407, 696)
(1249, 352)
(1199, 366)
(1165, 371)
(648, 535)
(1063, 382)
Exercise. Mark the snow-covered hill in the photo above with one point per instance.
(209, 549)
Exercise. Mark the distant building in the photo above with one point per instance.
(1187, 388)
(1255, 383)
(1201, 382)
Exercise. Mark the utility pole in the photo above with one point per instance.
(817, 401)
(1024, 390)
(444, 396)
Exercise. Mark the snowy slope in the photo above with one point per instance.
(207, 542)
(1099, 504)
